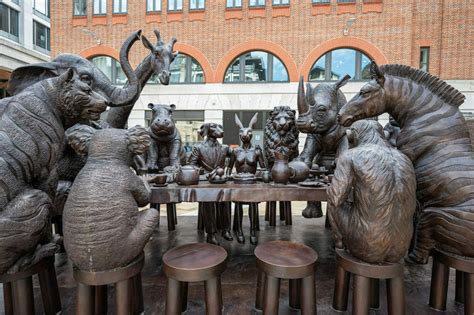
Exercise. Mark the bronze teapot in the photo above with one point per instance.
(187, 175)
(299, 171)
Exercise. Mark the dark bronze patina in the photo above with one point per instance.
(103, 228)
(210, 155)
(317, 111)
(166, 149)
(435, 137)
(375, 225)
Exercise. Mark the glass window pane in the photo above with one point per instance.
(365, 68)
(179, 4)
(80, 7)
(178, 69)
(256, 68)
(14, 22)
(279, 70)
(197, 74)
(120, 78)
(342, 63)
(104, 64)
(41, 36)
(238, 3)
(4, 21)
(41, 6)
(318, 71)
(233, 72)
(193, 4)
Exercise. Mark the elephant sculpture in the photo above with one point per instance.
(103, 227)
(317, 109)
(32, 139)
(376, 225)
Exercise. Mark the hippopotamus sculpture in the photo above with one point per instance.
(317, 110)
(166, 149)
(103, 228)
(377, 225)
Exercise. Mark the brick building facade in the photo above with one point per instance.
(297, 33)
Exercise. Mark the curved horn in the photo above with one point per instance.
(253, 121)
(342, 81)
(158, 35)
(309, 95)
(238, 122)
(173, 41)
(130, 93)
(303, 106)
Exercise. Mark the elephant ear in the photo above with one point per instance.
(25, 76)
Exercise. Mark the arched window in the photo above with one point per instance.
(339, 62)
(111, 68)
(184, 70)
(256, 66)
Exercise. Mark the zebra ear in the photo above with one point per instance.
(377, 74)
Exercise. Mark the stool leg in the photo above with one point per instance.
(459, 295)
(23, 301)
(100, 303)
(308, 296)
(272, 295)
(173, 295)
(8, 298)
(468, 293)
(395, 296)
(360, 300)
(257, 218)
(138, 305)
(439, 285)
(85, 299)
(341, 290)
(183, 289)
(213, 297)
(123, 296)
(260, 291)
(295, 291)
(49, 289)
(238, 213)
(219, 290)
(288, 217)
(374, 293)
(170, 217)
(253, 215)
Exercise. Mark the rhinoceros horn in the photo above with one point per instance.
(303, 106)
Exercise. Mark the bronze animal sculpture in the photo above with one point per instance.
(103, 227)
(280, 131)
(391, 131)
(435, 137)
(246, 158)
(166, 149)
(317, 111)
(376, 226)
(210, 155)
(32, 140)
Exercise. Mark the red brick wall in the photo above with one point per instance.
(391, 31)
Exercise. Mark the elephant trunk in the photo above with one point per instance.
(303, 107)
(130, 93)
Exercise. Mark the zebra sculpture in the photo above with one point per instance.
(435, 137)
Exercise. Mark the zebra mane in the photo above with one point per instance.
(437, 86)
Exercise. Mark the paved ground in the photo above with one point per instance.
(239, 280)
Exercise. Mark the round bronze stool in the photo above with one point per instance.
(92, 289)
(464, 281)
(286, 260)
(18, 295)
(366, 284)
(193, 263)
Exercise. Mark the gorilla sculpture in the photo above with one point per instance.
(376, 226)
(103, 228)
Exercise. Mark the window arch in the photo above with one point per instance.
(184, 70)
(111, 68)
(256, 66)
(339, 62)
